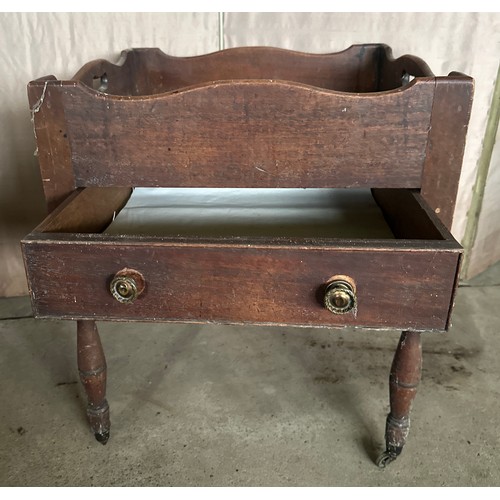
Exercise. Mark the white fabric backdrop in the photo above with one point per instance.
(486, 248)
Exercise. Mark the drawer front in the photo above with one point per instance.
(395, 288)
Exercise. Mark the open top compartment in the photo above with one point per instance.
(254, 117)
(360, 68)
(262, 214)
(248, 212)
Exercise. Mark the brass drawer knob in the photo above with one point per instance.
(340, 297)
(127, 285)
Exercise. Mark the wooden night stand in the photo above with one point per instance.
(363, 132)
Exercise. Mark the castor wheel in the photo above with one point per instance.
(385, 458)
(102, 437)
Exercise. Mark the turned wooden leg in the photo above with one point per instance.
(403, 381)
(92, 369)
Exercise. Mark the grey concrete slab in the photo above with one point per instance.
(490, 277)
(15, 307)
(246, 406)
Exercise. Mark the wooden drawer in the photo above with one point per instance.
(404, 283)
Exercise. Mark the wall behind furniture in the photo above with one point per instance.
(38, 44)
(485, 249)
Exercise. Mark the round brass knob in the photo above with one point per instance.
(127, 285)
(340, 297)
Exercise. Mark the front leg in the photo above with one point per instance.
(403, 382)
(92, 369)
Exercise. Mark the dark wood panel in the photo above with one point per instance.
(362, 68)
(151, 71)
(392, 72)
(405, 216)
(250, 134)
(406, 289)
(89, 210)
(443, 162)
(251, 241)
(53, 148)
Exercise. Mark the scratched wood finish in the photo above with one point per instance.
(88, 210)
(407, 215)
(53, 148)
(360, 69)
(405, 374)
(249, 133)
(404, 379)
(242, 284)
(446, 144)
(93, 374)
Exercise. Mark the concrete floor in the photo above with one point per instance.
(233, 406)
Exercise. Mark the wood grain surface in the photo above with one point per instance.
(250, 134)
(254, 117)
(443, 162)
(151, 71)
(231, 283)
